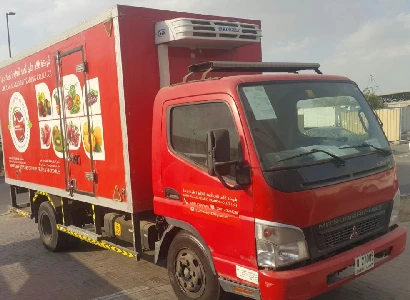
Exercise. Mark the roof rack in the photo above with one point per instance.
(234, 66)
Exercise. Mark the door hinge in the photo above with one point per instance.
(75, 159)
(82, 68)
(91, 176)
(72, 187)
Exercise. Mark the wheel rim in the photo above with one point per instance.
(190, 273)
(46, 228)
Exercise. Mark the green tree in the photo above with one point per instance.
(375, 102)
(332, 101)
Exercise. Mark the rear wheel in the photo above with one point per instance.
(52, 239)
(189, 271)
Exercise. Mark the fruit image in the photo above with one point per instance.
(40, 110)
(48, 107)
(98, 135)
(43, 105)
(45, 135)
(92, 97)
(96, 138)
(73, 134)
(86, 141)
(57, 101)
(57, 139)
(85, 128)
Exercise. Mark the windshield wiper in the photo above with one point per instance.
(339, 161)
(385, 152)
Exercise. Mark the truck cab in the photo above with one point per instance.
(282, 207)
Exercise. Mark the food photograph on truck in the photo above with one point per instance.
(151, 153)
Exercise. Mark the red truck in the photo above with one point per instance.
(119, 136)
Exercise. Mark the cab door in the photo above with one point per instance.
(223, 217)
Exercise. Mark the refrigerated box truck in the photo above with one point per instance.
(155, 134)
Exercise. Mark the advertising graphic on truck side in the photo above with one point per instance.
(162, 135)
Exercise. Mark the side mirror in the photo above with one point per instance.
(219, 159)
(218, 151)
(243, 175)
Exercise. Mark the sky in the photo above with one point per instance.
(354, 38)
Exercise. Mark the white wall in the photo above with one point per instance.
(318, 116)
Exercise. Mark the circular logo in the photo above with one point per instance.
(19, 122)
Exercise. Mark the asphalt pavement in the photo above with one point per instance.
(29, 272)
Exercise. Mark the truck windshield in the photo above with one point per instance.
(299, 123)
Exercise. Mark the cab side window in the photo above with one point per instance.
(190, 124)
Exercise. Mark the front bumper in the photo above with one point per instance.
(313, 280)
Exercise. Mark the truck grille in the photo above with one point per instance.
(337, 237)
(351, 228)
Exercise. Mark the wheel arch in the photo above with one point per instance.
(175, 226)
(38, 198)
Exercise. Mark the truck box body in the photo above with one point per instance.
(118, 50)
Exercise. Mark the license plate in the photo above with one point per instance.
(364, 262)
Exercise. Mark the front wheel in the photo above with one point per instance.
(189, 271)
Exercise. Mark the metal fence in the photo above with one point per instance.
(390, 117)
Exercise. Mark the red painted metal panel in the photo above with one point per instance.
(141, 84)
(30, 115)
(229, 232)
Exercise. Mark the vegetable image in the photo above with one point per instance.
(43, 105)
(69, 102)
(76, 104)
(72, 100)
(96, 138)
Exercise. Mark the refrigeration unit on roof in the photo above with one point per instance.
(196, 33)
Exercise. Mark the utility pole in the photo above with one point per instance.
(8, 30)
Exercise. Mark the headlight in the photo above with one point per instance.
(279, 245)
(396, 208)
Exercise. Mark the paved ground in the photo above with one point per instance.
(4, 198)
(402, 156)
(28, 271)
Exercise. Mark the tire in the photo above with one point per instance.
(51, 238)
(189, 272)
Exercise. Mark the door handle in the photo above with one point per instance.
(171, 194)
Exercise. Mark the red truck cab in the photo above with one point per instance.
(281, 211)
